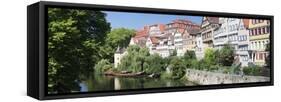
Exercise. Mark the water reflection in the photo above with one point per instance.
(105, 83)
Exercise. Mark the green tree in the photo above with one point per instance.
(209, 57)
(226, 55)
(177, 68)
(73, 46)
(135, 59)
(117, 37)
(155, 64)
(102, 66)
(120, 37)
(189, 55)
(188, 58)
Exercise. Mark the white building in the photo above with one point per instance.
(199, 47)
(243, 42)
(178, 43)
(118, 55)
(232, 31)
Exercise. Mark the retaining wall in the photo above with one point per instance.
(207, 78)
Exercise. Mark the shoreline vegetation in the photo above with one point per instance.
(81, 45)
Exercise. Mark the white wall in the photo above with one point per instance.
(13, 51)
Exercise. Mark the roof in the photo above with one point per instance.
(160, 26)
(182, 21)
(120, 50)
(193, 31)
(213, 20)
(142, 33)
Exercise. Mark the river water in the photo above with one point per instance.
(105, 83)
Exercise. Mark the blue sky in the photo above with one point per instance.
(138, 20)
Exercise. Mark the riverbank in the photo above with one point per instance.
(208, 78)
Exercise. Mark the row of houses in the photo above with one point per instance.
(247, 36)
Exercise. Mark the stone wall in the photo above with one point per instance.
(207, 78)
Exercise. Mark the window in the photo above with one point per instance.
(256, 56)
(259, 29)
(263, 30)
(261, 56)
(263, 44)
(250, 32)
(253, 21)
(257, 21)
(268, 30)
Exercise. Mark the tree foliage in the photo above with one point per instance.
(177, 68)
(189, 55)
(139, 59)
(73, 46)
(117, 37)
(209, 57)
(155, 64)
(102, 66)
(226, 55)
(134, 59)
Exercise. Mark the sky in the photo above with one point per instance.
(139, 20)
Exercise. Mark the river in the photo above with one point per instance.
(106, 83)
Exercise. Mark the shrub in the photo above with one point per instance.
(252, 70)
(177, 68)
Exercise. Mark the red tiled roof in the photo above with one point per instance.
(182, 21)
(214, 20)
(161, 27)
(142, 33)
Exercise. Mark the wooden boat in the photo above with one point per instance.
(111, 73)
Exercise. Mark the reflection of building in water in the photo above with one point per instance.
(117, 85)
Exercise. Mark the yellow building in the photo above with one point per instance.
(259, 31)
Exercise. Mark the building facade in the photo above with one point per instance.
(234, 32)
(259, 38)
(118, 55)
(207, 29)
(199, 52)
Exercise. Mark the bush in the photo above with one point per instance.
(214, 67)
(177, 68)
(252, 70)
(189, 55)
